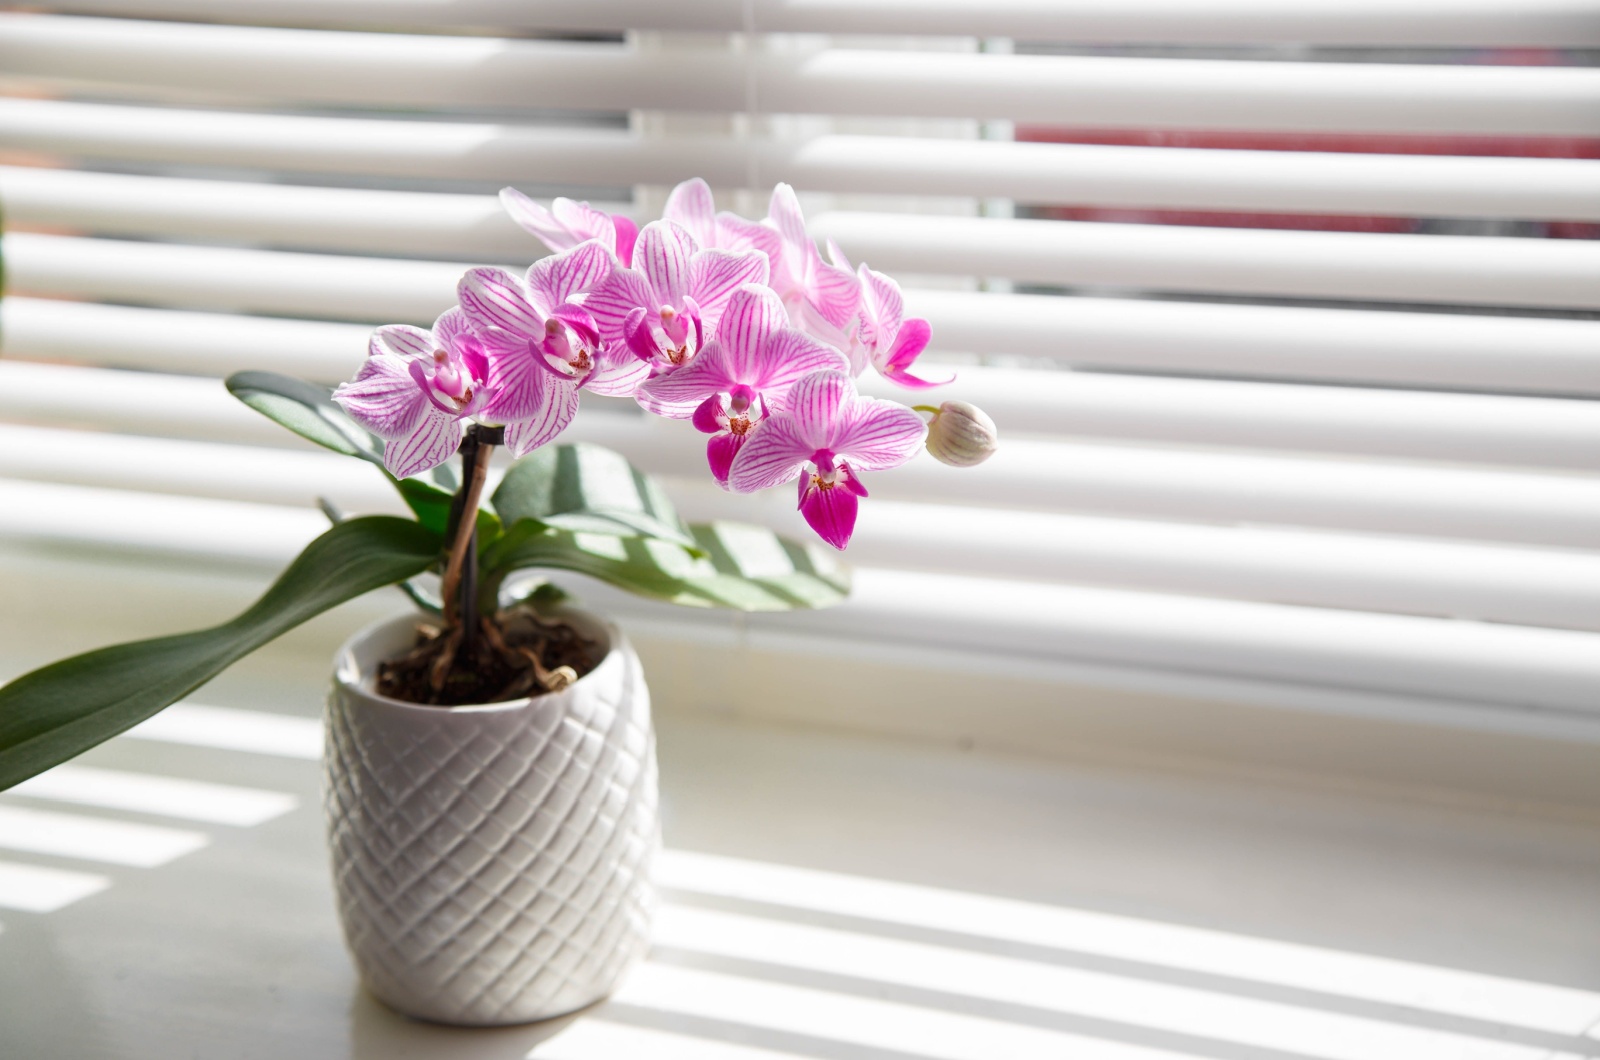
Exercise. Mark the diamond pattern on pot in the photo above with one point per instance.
(493, 866)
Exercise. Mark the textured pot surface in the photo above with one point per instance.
(492, 862)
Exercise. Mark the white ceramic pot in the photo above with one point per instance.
(492, 862)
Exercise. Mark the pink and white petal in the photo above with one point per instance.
(691, 206)
(837, 257)
(677, 394)
(537, 219)
(562, 277)
(401, 340)
(721, 448)
(882, 294)
(663, 254)
(754, 314)
(835, 293)
(740, 233)
(613, 300)
(788, 357)
(774, 453)
(383, 397)
(831, 512)
(901, 377)
(627, 236)
(784, 211)
(433, 440)
(617, 374)
(583, 222)
(453, 330)
(518, 383)
(719, 273)
(495, 298)
(548, 421)
(819, 405)
(877, 435)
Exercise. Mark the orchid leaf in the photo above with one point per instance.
(588, 489)
(61, 710)
(308, 410)
(738, 566)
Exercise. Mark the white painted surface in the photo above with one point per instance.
(165, 796)
(93, 838)
(226, 728)
(37, 889)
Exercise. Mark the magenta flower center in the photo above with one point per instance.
(450, 379)
(559, 349)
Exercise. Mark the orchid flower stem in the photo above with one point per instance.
(459, 588)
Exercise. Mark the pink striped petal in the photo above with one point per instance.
(719, 273)
(773, 453)
(548, 421)
(788, 357)
(562, 277)
(453, 331)
(617, 373)
(721, 448)
(835, 292)
(613, 300)
(709, 416)
(882, 303)
(583, 222)
(383, 397)
(819, 405)
(517, 382)
(536, 219)
(784, 211)
(754, 314)
(627, 236)
(837, 257)
(493, 298)
(691, 206)
(876, 435)
(433, 440)
(678, 393)
(401, 340)
(830, 511)
(663, 254)
(739, 233)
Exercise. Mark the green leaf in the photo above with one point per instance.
(308, 410)
(62, 710)
(588, 489)
(741, 567)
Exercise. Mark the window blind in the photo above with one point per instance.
(1363, 462)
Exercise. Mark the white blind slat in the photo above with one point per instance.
(301, 66)
(1460, 270)
(1491, 23)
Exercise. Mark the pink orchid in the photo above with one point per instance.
(418, 389)
(668, 307)
(565, 224)
(879, 334)
(740, 377)
(691, 206)
(542, 344)
(820, 296)
(827, 435)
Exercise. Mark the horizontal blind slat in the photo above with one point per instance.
(1490, 23)
(1538, 587)
(1067, 476)
(306, 66)
(1462, 663)
(1507, 354)
(1455, 270)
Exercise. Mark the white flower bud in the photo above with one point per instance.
(962, 435)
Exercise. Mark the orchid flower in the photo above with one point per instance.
(565, 224)
(668, 306)
(417, 390)
(812, 290)
(691, 206)
(879, 334)
(826, 436)
(542, 345)
(741, 376)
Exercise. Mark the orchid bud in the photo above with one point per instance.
(961, 434)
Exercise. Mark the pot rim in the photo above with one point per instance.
(354, 681)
